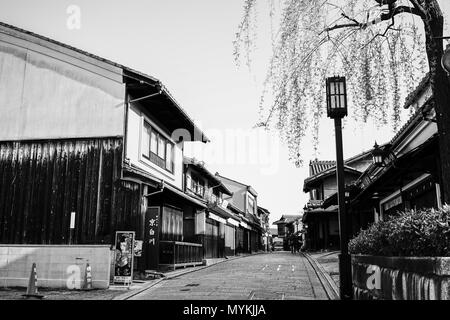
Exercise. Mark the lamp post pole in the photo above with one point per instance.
(337, 109)
(345, 271)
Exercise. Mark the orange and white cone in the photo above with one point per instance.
(32, 290)
(88, 278)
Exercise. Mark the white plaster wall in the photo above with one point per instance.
(60, 266)
(134, 154)
(239, 193)
(421, 134)
(46, 97)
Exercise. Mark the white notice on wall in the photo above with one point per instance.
(72, 220)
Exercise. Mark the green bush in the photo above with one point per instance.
(412, 233)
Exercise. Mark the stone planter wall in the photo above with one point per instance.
(401, 278)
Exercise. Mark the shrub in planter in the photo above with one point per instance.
(412, 233)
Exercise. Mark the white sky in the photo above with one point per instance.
(187, 44)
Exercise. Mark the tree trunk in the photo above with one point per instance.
(440, 85)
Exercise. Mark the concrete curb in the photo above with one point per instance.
(327, 282)
(176, 274)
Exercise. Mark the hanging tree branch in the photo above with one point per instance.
(384, 17)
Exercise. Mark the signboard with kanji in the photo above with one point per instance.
(151, 241)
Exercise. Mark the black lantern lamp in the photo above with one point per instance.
(377, 155)
(347, 193)
(336, 97)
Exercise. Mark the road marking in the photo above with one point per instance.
(264, 267)
(279, 267)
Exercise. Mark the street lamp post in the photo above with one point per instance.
(337, 109)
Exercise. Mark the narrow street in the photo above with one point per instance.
(271, 276)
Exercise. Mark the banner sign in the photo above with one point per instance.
(151, 239)
(217, 218)
(123, 266)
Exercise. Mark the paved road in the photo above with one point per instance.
(272, 276)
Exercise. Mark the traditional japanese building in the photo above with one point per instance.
(287, 226)
(263, 215)
(214, 227)
(83, 136)
(321, 212)
(243, 204)
(405, 173)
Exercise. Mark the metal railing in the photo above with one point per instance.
(180, 254)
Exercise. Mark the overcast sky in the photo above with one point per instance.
(187, 44)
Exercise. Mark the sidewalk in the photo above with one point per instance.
(329, 261)
(115, 292)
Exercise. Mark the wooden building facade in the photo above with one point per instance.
(409, 176)
(216, 224)
(320, 215)
(244, 205)
(84, 135)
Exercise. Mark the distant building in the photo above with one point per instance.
(214, 227)
(244, 203)
(287, 226)
(321, 212)
(263, 215)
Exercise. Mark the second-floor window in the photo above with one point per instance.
(317, 194)
(251, 205)
(216, 197)
(156, 148)
(198, 186)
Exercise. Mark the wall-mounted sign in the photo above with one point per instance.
(392, 203)
(151, 238)
(246, 226)
(123, 266)
(217, 218)
(233, 222)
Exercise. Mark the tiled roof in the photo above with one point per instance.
(264, 210)
(200, 165)
(317, 166)
(286, 218)
(399, 136)
(249, 187)
(321, 175)
(309, 213)
(417, 116)
(419, 89)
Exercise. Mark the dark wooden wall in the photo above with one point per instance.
(42, 182)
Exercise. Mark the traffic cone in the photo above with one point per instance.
(88, 278)
(32, 291)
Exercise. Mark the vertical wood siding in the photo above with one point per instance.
(42, 182)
